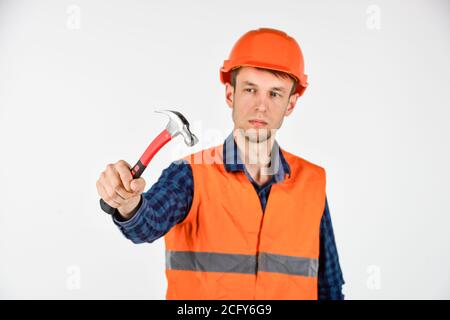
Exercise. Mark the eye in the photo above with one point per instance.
(250, 90)
(274, 94)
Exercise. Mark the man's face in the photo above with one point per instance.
(260, 101)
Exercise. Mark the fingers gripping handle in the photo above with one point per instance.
(142, 163)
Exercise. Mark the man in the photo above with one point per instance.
(245, 219)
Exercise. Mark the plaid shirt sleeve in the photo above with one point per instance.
(330, 279)
(164, 205)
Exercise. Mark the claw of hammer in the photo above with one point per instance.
(179, 125)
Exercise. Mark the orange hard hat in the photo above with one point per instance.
(269, 49)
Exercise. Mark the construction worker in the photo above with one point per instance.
(245, 219)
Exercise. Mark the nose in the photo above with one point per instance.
(261, 102)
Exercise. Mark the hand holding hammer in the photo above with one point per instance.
(120, 185)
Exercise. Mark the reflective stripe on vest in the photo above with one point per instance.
(241, 263)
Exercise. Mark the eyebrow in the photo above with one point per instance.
(246, 82)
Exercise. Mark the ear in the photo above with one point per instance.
(291, 104)
(229, 94)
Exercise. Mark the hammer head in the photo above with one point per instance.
(178, 125)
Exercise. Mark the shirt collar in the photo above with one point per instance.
(233, 162)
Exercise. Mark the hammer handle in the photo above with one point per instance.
(142, 163)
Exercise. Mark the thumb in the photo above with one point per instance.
(137, 185)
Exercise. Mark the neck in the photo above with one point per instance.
(255, 154)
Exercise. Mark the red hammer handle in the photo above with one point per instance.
(150, 152)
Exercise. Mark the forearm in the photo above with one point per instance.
(142, 226)
(166, 203)
(330, 279)
(331, 293)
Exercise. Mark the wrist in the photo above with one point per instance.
(130, 209)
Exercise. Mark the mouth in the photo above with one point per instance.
(257, 123)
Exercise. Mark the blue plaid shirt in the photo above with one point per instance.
(169, 200)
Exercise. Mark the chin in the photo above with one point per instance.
(258, 134)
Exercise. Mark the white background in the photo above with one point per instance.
(79, 83)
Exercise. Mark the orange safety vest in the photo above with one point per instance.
(227, 248)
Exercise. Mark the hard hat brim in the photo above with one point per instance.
(225, 72)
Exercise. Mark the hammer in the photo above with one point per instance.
(177, 125)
